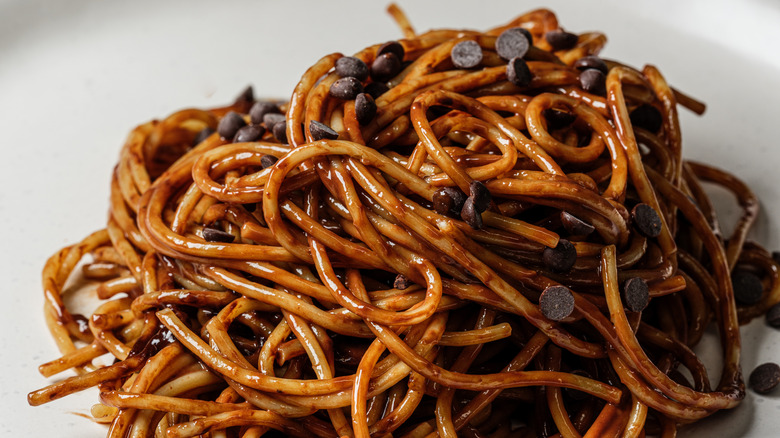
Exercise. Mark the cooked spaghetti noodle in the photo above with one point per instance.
(456, 234)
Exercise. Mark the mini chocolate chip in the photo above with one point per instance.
(271, 119)
(202, 135)
(280, 132)
(448, 199)
(647, 117)
(458, 197)
(593, 81)
(561, 258)
(556, 302)
(773, 316)
(346, 88)
(748, 288)
(636, 294)
(393, 47)
(646, 220)
(466, 54)
(216, 235)
(349, 66)
(401, 282)
(376, 89)
(557, 119)
(365, 108)
(230, 124)
(321, 131)
(249, 133)
(765, 378)
(470, 215)
(559, 39)
(442, 203)
(481, 195)
(260, 109)
(267, 161)
(574, 225)
(247, 95)
(385, 66)
(588, 62)
(513, 43)
(518, 73)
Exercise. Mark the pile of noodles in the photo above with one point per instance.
(315, 286)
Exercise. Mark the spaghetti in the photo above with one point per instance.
(456, 234)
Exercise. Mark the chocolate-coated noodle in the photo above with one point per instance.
(455, 263)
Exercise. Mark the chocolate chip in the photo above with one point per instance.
(765, 378)
(636, 294)
(249, 133)
(513, 43)
(246, 96)
(776, 256)
(448, 199)
(202, 135)
(442, 203)
(216, 235)
(466, 54)
(267, 161)
(346, 88)
(556, 302)
(349, 66)
(401, 282)
(481, 195)
(574, 225)
(748, 287)
(647, 117)
(393, 47)
(230, 124)
(271, 119)
(588, 62)
(470, 215)
(560, 39)
(321, 131)
(558, 119)
(561, 258)
(376, 89)
(458, 197)
(260, 109)
(518, 73)
(593, 81)
(365, 108)
(773, 316)
(385, 67)
(280, 132)
(646, 220)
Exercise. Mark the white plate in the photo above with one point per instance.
(76, 76)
